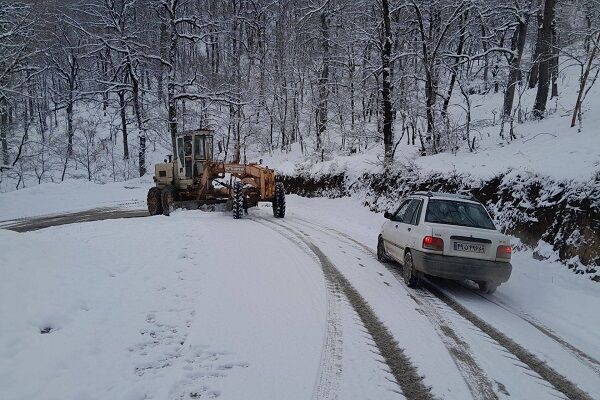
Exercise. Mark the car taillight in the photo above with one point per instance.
(433, 243)
(504, 252)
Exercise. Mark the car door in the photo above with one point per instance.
(409, 228)
(403, 234)
(390, 231)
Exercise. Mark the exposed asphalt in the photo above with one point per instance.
(46, 221)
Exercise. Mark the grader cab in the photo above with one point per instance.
(193, 180)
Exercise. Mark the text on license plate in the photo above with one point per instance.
(469, 247)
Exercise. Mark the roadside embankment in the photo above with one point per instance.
(559, 219)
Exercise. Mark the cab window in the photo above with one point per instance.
(187, 145)
(208, 144)
(180, 150)
(199, 151)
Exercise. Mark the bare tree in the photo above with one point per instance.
(386, 41)
(539, 108)
(514, 61)
(16, 50)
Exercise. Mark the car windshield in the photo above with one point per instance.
(458, 213)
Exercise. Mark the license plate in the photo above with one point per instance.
(469, 247)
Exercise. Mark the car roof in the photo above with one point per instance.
(447, 196)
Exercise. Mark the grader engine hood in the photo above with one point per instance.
(163, 173)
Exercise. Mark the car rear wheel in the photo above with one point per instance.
(408, 271)
(488, 287)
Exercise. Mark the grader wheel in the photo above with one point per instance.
(154, 201)
(168, 196)
(238, 200)
(279, 201)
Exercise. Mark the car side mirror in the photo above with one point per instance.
(387, 215)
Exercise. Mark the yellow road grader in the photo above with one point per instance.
(194, 180)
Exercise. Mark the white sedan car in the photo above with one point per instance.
(446, 235)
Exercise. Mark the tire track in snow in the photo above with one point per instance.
(401, 367)
(547, 373)
(46, 221)
(590, 361)
(585, 358)
(476, 379)
(330, 364)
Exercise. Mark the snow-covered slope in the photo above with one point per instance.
(549, 147)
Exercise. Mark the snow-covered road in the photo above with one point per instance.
(198, 305)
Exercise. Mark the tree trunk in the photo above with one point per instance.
(4, 131)
(137, 108)
(486, 61)
(429, 103)
(535, 66)
(541, 97)
(459, 51)
(323, 81)
(70, 124)
(583, 81)
(554, 63)
(171, 101)
(386, 85)
(163, 54)
(352, 106)
(123, 111)
(518, 44)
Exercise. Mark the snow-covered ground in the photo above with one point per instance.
(195, 305)
(73, 195)
(198, 305)
(157, 308)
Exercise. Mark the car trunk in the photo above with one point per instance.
(467, 242)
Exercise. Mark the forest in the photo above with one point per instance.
(92, 89)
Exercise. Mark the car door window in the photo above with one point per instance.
(399, 215)
(411, 211)
(417, 215)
